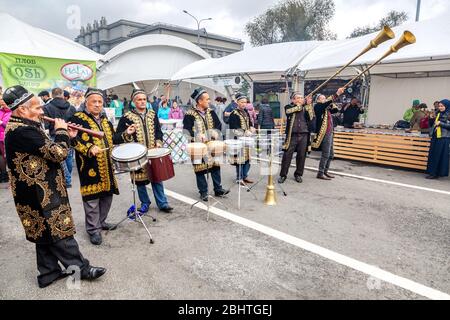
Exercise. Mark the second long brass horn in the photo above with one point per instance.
(406, 39)
(384, 35)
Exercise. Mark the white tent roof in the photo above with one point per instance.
(261, 62)
(430, 53)
(21, 38)
(144, 58)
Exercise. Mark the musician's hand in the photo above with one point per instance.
(202, 138)
(248, 133)
(131, 129)
(159, 144)
(94, 151)
(252, 130)
(60, 124)
(438, 123)
(72, 132)
(340, 91)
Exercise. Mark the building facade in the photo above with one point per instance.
(102, 37)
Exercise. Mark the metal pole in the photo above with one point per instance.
(418, 10)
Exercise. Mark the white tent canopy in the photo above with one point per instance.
(151, 59)
(266, 62)
(21, 38)
(430, 53)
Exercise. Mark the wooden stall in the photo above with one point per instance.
(386, 147)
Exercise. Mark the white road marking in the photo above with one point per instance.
(370, 270)
(410, 186)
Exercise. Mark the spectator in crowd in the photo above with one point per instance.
(126, 105)
(252, 112)
(117, 105)
(419, 121)
(265, 116)
(66, 95)
(351, 112)
(176, 112)
(45, 96)
(59, 108)
(410, 112)
(220, 108)
(228, 110)
(5, 114)
(163, 110)
(438, 158)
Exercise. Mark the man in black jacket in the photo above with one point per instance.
(60, 108)
(265, 116)
(300, 123)
(324, 129)
(351, 113)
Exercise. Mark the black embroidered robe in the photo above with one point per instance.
(37, 180)
(240, 123)
(196, 125)
(148, 133)
(96, 173)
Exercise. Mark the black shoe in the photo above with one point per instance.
(321, 176)
(61, 276)
(430, 177)
(204, 197)
(221, 193)
(96, 239)
(329, 175)
(167, 209)
(94, 273)
(109, 226)
(281, 180)
(298, 179)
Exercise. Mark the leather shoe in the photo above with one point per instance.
(94, 273)
(248, 181)
(329, 175)
(96, 239)
(430, 177)
(204, 197)
(298, 179)
(221, 193)
(281, 180)
(167, 209)
(109, 226)
(322, 177)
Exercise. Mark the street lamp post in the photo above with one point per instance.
(198, 25)
(418, 10)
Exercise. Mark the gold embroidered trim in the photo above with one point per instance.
(61, 183)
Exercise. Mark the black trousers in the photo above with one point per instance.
(65, 251)
(299, 144)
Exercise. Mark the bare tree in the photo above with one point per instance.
(392, 19)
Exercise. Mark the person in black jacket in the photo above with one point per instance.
(300, 123)
(60, 108)
(351, 112)
(265, 116)
(38, 188)
(324, 132)
(438, 158)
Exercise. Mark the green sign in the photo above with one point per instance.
(39, 73)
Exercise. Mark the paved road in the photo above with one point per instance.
(402, 230)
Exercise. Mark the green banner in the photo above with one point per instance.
(39, 73)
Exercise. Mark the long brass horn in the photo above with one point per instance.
(384, 35)
(406, 39)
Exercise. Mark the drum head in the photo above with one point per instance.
(158, 153)
(129, 152)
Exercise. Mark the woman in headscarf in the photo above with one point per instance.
(438, 158)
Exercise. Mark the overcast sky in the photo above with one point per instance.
(229, 16)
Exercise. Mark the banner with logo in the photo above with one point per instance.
(39, 73)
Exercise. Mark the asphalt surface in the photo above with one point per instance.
(399, 229)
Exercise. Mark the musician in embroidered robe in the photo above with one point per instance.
(39, 187)
(203, 125)
(241, 127)
(300, 123)
(148, 133)
(96, 171)
(323, 109)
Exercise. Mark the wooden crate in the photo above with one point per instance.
(392, 150)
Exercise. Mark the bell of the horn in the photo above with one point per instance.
(406, 39)
(385, 34)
